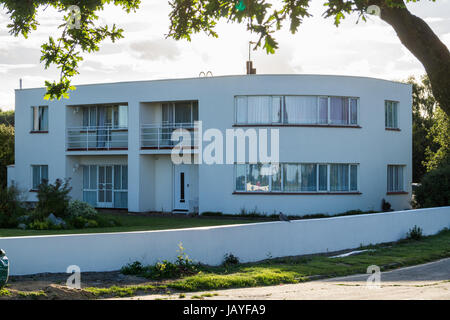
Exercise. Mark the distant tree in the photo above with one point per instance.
(440, 135)
(423, 108)
(7, 117)
(6, 151)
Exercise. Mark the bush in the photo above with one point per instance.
(10, 207)
(414, 233)
(79, 208)
(230, 259)
(434, 190)
(164, 269)
(52, 198)
(385, 206)
(44, 225)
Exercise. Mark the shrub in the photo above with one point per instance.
(44, 225)
(10, 207)
(230, 259)
(164, 269)
(212, 214)
(385, 206)
(79, 208)
(414, 233)
(434, 190)
(52, 198)
(134, 268)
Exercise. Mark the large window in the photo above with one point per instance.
(307, 110)
(180, 112)
(39, 118)
(391, 114)
(395, 178)
(40, 175)
(296, 177)
(105, 186)
(112, 116)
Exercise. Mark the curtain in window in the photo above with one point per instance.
(240, 177)
(353, 111)
(276, 177)
(308, 177)
(390, 114)
(323, 110)
(241, 110)
(353, 177)
(101, 132)
(291, 177)
(183, 112)
(259, 109)
(339, 110)
(36, 176)
(277, 104)
(323, 177)
(395, 178)
(301, 110)
(43, 118)
(339, 177)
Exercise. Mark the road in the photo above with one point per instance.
(426, 281)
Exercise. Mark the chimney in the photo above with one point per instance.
(250, 69)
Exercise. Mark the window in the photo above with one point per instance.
(40, 175)
(116, 190)
(395, 178)
(296, 177)
(180, 112)
(296, 110)
(39, 118)
(114, 116)
(391, 114)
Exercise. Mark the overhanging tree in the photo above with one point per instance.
(192, 16)
(80, 33)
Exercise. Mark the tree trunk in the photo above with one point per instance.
(423, 43)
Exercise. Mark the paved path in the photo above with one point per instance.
(426, 281)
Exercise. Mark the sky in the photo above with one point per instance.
(365, 49)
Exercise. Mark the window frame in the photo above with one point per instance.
(40, 166)
(395, 107)
(284, 122)
(36, 121)
(282, 182)
(395, 177)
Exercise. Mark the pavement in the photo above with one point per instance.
(426, 281)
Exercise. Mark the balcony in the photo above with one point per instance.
(92, 138)
(158, 136)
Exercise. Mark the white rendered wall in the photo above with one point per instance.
(252, 242)
(371, 146)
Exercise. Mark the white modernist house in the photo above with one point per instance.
(344, 143)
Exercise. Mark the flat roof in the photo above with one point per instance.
(228, 76)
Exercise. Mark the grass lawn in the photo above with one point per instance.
(298, 269)
(131, 222)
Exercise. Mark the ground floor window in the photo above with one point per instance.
(40, 175)
(296, 177)
(106, 185)
(395, 178)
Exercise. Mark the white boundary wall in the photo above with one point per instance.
(250, 242)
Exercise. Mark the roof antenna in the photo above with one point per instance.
(20, 83)
(250, 69)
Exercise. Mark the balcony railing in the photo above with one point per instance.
(159, 135)
(97, 138)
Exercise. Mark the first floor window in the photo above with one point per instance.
(296, 110)
(296, 177)
(391, 114)
(39, 118)
(40, 175)
(395, 178)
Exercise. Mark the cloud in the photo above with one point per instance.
(156, 49)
